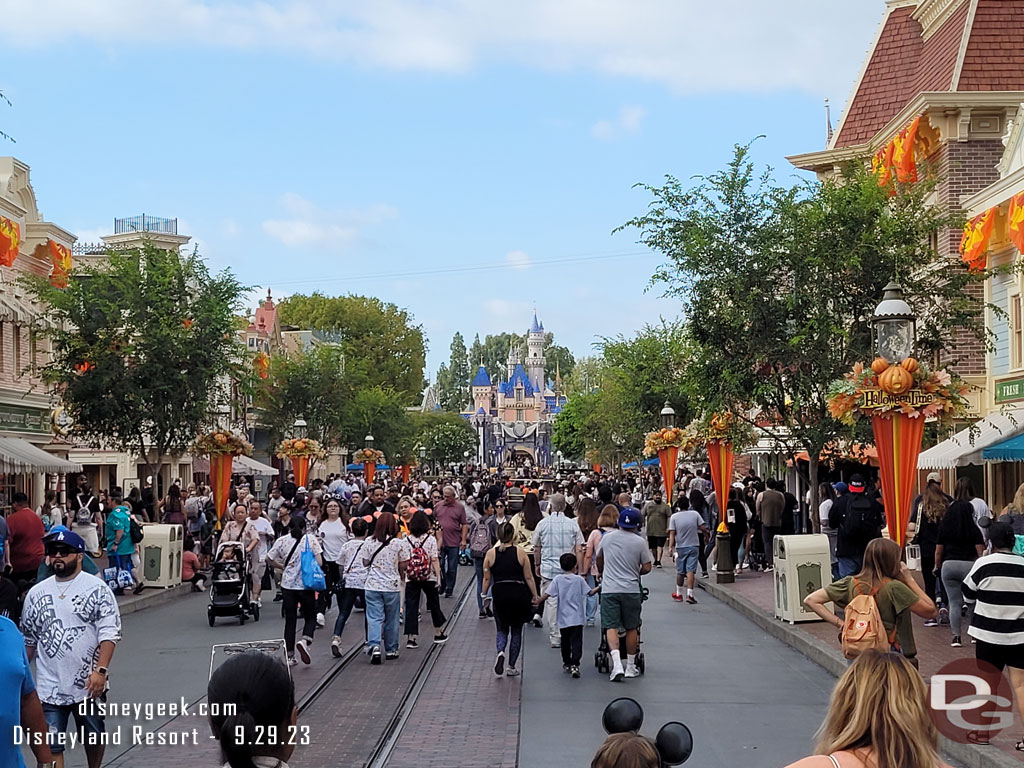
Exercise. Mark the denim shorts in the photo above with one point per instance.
(58, 715)
(686, 560)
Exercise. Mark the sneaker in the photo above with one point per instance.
(320, 620)
(632, 670)
(575, 672)
(336, 647)
(483, 615)
(489, 612)
(441, 638)
(512, 672)
(391, 655)
(556, 643)
(278, 597)
(677, 597)
(412, 643)
(769, 568)
(566, 668)
(499, 665)
(657, 564)
(292, 661)
(703, 574)
(944, 617)
(537, 622)
(259, 602)
(617, 674)
(956, 642)
(932, 623)
(375, 656)
(590, 622)
(140, 586)
(303, 651)
(201, 586)
(691, 599)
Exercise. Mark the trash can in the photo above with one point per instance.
(802, 566)
(161, 554)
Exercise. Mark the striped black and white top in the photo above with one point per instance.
(996, 585)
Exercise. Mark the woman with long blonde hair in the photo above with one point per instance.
(878, 717)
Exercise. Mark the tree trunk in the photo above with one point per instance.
(812, 509)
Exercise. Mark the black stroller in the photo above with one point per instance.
(230, 587)
(603, 656)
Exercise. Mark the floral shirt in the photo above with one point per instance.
(382, 574)
(291, 578)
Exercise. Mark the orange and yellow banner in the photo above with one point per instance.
(898, 158)
(974, 243)
(220, 482)
(369, 470)
(10, 240)
(300, 465)
(721, 457)
(668, 458)
(898, 439)
(1015, 221)
(903, 159)
(60, 258)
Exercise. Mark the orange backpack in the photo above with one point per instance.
(863, 629)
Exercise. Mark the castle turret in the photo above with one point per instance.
(513, 359)
(534, 362)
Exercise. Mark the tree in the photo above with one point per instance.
(779, 284)
(558, 360)
(310, 384)
(379, 411)
(573, 424)
(453, 379)
(448, 443)
(476, 352)
(495, 352)
(382, 345)
(586, 375)
(140, 348)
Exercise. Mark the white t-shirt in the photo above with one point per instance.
(350, 561)
(66, 621)
(261, 528)
(333, 535)
(382, 574)
(823, 509)
(291, 577)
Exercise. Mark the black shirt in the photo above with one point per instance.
(853, 544)
(957, 546)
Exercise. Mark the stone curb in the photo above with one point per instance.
(152, 597)
(969, 755)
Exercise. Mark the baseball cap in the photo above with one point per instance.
(62, 535)
(840, 487)
(856, 484)
(934, 477)
(629, 519)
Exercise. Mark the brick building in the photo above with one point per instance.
(958, 65)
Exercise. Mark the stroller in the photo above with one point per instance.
(603, 655)
(230, 587)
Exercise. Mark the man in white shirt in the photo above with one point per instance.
(260, 534)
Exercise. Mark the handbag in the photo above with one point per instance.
(312, 573)
(340, 586)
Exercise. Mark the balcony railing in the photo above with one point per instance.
(144, 223)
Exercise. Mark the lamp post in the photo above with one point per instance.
(897, 435)
(618, 442)
(668, 416)
(369, 441)
(299, 427)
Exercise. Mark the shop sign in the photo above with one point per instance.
(1009, 390)
(18, 418)
(877, 398)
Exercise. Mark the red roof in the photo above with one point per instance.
(994, 59)
(266, 317)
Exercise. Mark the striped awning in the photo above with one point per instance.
(965, 447)
(18, 456)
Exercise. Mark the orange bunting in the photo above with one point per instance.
(721, 456)
(903, 159)
(1015, 225)
(262, 365)
(10, 240)
(60, 258)
(881, 164)
(898, 439)
(974, 243)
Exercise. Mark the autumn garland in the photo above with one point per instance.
(221, 441)
(724, 427)
(298, 447)
(946, 391)
(683, 438)
(368, 456)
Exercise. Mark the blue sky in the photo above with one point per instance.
(466, 160)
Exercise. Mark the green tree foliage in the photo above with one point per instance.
(494, 351)
(453, 379)
(382, 345)
(311, 384)
(574, 424)
(780, 282)
(379, 411)
(447, 443)
(141, 346)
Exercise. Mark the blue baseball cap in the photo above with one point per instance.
(629, 519)
(60, 534)
(840, 487)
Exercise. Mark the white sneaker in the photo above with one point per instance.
(201, 586)
(511, 672)
(292, 661)
(556, 643)
(616, 674)
(336, 647)
(632, 670)
(320, 620)
(302, 650)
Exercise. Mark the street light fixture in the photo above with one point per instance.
(668, 416)
(895, 325)
(299, 427)
(369, 441)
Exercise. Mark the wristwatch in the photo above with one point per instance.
(102, 670)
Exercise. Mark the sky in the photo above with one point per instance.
(466, 160)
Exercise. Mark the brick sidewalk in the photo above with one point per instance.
(818, 639)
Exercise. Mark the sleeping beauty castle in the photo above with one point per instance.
(512, 413)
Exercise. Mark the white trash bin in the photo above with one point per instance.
(802, 566)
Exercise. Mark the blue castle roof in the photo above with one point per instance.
(537, 327)
(518, 377)
(481, 379)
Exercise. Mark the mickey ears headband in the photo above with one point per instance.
(674, 741)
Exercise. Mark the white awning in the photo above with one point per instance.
(17, 455)
(240, 465)
(960, 450)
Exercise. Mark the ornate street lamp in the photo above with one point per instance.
(895, 325)
(369, 441)
(668, 416)
(299, 427)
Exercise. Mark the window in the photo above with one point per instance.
(18, 368)
(1016, 333)
(2, 324)
(32, 351)
(519, 394)
(519, 414)
(252, 342)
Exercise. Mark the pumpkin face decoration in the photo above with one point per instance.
(879, 365)
(896, 380)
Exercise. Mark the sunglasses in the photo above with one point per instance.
(60, 551)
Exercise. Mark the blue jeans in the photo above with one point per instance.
(449, 568)
(346, 601)
(382, 609)
(478, 566)
(849, 566)
(591, 599)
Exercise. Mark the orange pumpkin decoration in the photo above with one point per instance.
(879, 365)
(896, 380)
(911, 365)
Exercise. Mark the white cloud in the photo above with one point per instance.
(518, 259)
(737, 45)
(307, 224)
(628, 123)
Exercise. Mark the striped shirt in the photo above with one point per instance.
(996, 585)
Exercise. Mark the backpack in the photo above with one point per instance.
(135, 531)
(418, 568)
(863, 629)
(857, 526)
(84, 513)
(480, 540)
